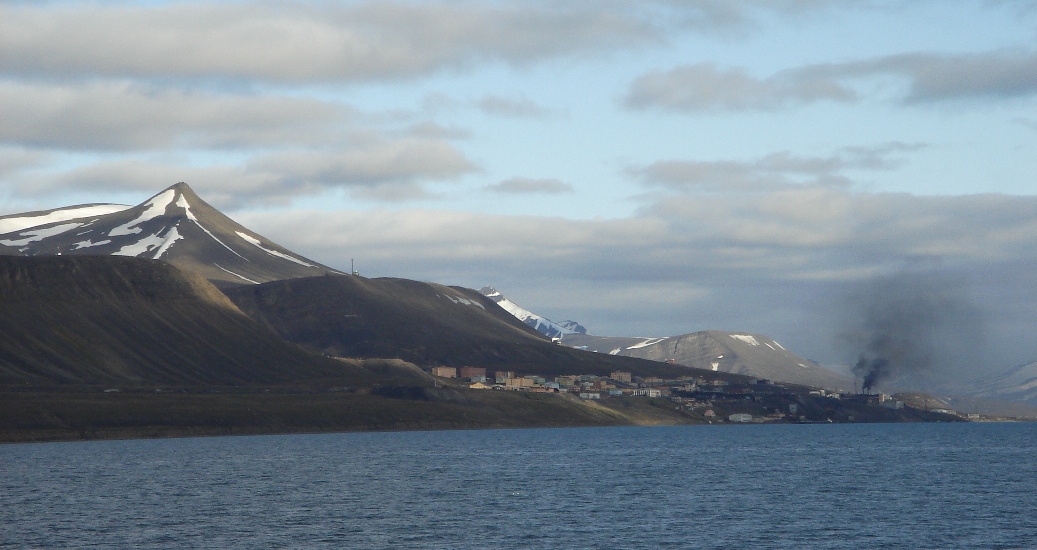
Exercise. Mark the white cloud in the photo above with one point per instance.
(516, 108)
(530, 185)
(913, 78)
(382, 170)
(297, 41)
(772, 172)
(124, 116)
(705, 87)
(770, 262)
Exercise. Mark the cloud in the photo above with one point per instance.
(529, 186)
(1027, 122)
(706, 88)
(773, 172)
(124, 116)
(515, 108)
(17, 159)
(386, 170)
(915, 78)
(771, 263)
(432, 130)
(300, 42)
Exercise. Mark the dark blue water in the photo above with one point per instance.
(816, 486)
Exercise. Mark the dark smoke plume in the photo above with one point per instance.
(913, 324)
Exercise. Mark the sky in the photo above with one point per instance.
(645, 167)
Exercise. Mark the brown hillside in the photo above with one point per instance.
(423, 323)
(115, 320)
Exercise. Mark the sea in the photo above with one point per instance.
(964, 485)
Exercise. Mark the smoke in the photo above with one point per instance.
(913, 327)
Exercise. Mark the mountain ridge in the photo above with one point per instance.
(174, 225)
(542, 325)
(423, 323)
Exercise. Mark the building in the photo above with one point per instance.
(590, 395)
(501, 377)
(519, 383)
(472, 372)
(567, 381)
(444, 372)
(480, 386)
(740, 417)
(620, 376)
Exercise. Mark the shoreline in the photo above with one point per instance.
(50, 416)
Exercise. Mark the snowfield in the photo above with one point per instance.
(18, 223)
(257, 244)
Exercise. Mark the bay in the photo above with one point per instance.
(792, 486)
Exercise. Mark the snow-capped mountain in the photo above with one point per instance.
(175, 226)
(542, 325)
(739, 353)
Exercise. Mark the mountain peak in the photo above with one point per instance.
(179, 186)
(542, 325)
(176, 226)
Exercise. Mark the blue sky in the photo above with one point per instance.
(643, 167)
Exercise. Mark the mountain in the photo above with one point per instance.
(86, 320)
(18, 222)
(175, 226)
(423, 323)
(748, 354)
(540, 324)
(1015, 384)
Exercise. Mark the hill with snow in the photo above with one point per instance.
(423, 323)
(175, 226)
(748, 354)
(738, 353)
(542, 325)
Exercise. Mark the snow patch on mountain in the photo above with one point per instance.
(159, 243)
(259, 245)
(88, 244)
(20, 222)
(746, 338)
(542, 325)
(647, 342)
(462, 300)
(152, 209)
(34, 235)
(242, 277)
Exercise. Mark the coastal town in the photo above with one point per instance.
(714, 399)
